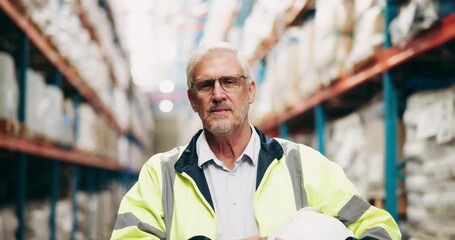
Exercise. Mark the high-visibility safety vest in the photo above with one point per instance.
(171, 199)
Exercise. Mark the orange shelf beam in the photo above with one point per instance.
(49, 51)
(382, 62)
(48, 150)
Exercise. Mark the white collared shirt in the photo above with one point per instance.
(233, 190)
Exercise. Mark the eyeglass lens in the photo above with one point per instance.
(228, 84)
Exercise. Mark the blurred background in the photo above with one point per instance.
(90, 89)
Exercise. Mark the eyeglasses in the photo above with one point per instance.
(229, 83)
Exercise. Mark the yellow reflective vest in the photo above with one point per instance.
(171, 199)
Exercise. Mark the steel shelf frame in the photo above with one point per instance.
(319, 119)
(83, 15)
(383, 64)
(383, 61)
(23, 62)
(390, 118)
(57, 154)
(49, 51)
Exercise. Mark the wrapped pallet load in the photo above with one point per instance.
(53, 113)
(414, 17)
(86, 137)
(9, 96)
(308, 75)
(35, 94)
(368, 34)
(430, 169)
(8, 222)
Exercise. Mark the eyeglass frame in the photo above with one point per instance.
(239, 76)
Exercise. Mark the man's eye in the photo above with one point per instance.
(206, 84)
(228, 80)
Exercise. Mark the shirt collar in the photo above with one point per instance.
(205, 154)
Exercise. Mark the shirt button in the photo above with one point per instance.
(234, 203)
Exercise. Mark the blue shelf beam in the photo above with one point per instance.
(284, 130)
(22, 65)
(91, 190)
(319, 119)
(75, 177)
(391, 154)
(391, 116)
(55, 186)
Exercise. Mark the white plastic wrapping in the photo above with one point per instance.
(429, 148)
(121, 108)
(101, 24)
(123, 153)
(220, 18)
(86, 136)
(8, 223)
(60, 21)
(326, 40)
(95, 135)
(414, 17)
(9, 95)
(263, 105)
(309, 81)
(288, 64)
(266, 18)
(258, 26)
(35, 93)
(106, 139)
(137, 157)
(356, 142)
(68, 117)
(37, 213)
(368, 33)
(142, 123)
(52, 104)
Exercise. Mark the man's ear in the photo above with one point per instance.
(190, 93)
(251, 91)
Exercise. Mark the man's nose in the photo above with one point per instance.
(218, 91)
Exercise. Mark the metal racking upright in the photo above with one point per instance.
(382, 64)
(25, 150)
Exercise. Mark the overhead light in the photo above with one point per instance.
(166, 106)
(166, 86)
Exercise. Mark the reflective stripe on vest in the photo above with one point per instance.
(168, 174)
(129, 220)
(353, 210)
(293, 163)
(294, 166)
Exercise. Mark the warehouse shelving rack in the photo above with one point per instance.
(383, 61)
(99, 168)
(382, 64)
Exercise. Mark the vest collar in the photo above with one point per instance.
(188, 161)
(189, 156)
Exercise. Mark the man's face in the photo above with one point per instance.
(221, 112)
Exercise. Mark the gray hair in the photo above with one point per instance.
(213, 47)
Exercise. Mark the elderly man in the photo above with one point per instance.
(232, 181)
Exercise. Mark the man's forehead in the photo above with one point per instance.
(217, 61)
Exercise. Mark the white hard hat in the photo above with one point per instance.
(309, 223)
